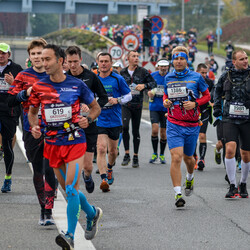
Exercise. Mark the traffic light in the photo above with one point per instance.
(147, 26)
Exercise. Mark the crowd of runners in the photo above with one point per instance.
(70, 114)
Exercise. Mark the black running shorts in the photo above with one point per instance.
(158, 117)
(113, 133)
(232, 131)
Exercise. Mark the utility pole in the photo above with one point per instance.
(218, 26)
(182, 15)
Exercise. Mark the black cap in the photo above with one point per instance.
(94, 65)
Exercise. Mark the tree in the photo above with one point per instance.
(44, 23)
(246, 4)
(198, 14)
(233, 10)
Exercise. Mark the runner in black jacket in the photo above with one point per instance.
(8, 116)
(138, 79)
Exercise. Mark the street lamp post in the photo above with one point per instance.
(182, 15)
(218, 26)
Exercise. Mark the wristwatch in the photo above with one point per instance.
(89, 119)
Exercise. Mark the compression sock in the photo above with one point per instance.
(231, 169)
(155, 140)
(202, 150)
(244, 171)
(73, 212)
(163, 144)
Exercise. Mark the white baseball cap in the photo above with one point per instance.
(117, 64)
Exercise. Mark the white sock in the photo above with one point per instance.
(231, 169)
(177, 190)
(190, 176)
(244, 171)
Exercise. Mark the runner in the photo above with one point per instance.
(158, 111)
(9, 116)
(235, 86)
(181, 98)
(74, 58)
(206, 116)
(109, 122)
(138, 79)
(59, 96)
(19, 93)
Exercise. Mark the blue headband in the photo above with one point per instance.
(179, 54)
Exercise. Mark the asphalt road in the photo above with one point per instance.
(139, 211)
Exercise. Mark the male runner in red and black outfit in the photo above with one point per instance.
(19, 93)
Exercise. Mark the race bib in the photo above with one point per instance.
(238, 110)
(159, 91)
(108, 105)
(57, 113)
(177, 92)
(133, 90)
(4, 86)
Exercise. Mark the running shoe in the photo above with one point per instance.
(89, 183)
(110, 177)
(65, 241)
(179, 201)
(104, 186)
(201, 165)
(126, 160)
(217, 156)
(196, 160)
(162, 159)
(233, 192)
(41, 219)
(48, 220)
(243, 190)
(92, 225)
(189, 187)
(135, 162)
(153, 158)
(6, 186)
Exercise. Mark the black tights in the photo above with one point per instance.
(135, 116)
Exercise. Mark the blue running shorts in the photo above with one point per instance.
(179, 136)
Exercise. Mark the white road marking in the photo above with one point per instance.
(60, 208)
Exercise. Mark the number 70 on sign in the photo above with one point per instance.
(116, 52)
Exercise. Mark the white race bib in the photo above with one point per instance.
(238, 110)
(57, 112)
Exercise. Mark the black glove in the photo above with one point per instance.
(247, 104)
(217, 112)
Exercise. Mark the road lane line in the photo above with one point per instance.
(60, 208)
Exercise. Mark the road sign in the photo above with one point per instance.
(116, 52)
(130, 42)
(156, 40)
(150, 66)
(157, 24)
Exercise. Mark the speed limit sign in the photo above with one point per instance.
(116, 52)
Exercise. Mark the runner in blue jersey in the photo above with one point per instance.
(110, 120)
(60, 96)
(182, 90)
(158, 111)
